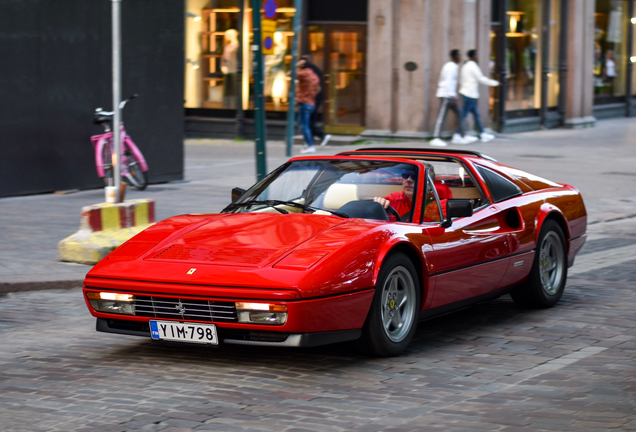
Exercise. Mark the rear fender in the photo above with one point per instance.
(553, 212)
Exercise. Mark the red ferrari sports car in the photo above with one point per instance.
(360, 245)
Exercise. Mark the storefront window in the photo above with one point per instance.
(610, 50)
(339, 51)
(555, 37)
(492, 65)
(522, 57)
(212, 48)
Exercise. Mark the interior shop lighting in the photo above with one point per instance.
(632, 59)
(634, 20)
(515, 19)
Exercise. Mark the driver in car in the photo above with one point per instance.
(400, 201)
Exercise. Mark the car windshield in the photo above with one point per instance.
(340, 187)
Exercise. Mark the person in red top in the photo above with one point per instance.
(401, 201)
(308, 88)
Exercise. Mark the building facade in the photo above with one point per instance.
(57, 71)
(559, 62)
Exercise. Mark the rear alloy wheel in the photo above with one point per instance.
(544, 287)
(136, 177)
(392, 320)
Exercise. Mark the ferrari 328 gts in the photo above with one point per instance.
(357, 246)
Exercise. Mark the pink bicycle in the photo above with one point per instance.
(134, 169)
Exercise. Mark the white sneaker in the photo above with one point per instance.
(470, 139)
(458, 139)
(485, 137)
(308, 149)
(325, 139)
(438, 143)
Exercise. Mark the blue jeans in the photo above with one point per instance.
(470, 106)
(304, 114)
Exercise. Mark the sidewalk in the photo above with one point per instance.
(599, 161)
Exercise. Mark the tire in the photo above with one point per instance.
(392, 319)
(136, 177)
(544, 287)
(107, 161)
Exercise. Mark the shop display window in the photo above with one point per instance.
(339, 51)
(555, 55)
(610, 50)
(213, 41)
(523, 55)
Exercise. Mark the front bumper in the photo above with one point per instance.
(239, 336)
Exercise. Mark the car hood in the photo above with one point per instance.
(242, 240)
(271, 251)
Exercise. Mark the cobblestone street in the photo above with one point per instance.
(490, 367)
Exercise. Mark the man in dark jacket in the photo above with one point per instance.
(317, 131)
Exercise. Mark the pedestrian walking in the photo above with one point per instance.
(317, 131)
(470, 76)
(308, 88)
(447, 94)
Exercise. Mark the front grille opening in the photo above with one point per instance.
(265, 336)
(129, 325)
(185, 309)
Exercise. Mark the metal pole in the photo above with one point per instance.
(259, 99)
(563, 60)
(395, 71)
(630, 65)
(545, 59)
(501, 67)
(116, 18)
(240, 115)
(291, 98)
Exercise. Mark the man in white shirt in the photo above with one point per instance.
(470, 76)
(447, 93)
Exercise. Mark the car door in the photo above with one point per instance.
(471, 257)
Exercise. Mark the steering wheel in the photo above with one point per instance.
(393, 212)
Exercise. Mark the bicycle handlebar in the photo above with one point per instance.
(122, 104)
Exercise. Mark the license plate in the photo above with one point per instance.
(184, 332)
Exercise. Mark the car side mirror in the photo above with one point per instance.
(237, 192)
(457, 208)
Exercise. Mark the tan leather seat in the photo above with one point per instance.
(339, 194)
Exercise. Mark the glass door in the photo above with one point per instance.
(339, 50)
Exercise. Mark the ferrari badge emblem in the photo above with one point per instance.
(192, 270)
(180, 308)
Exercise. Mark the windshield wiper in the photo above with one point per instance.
(269, 203)
(274, 203)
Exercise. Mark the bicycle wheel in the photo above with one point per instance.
(135, 176)
(107, 161)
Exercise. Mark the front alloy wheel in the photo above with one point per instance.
(398, 299)
(392, 319)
